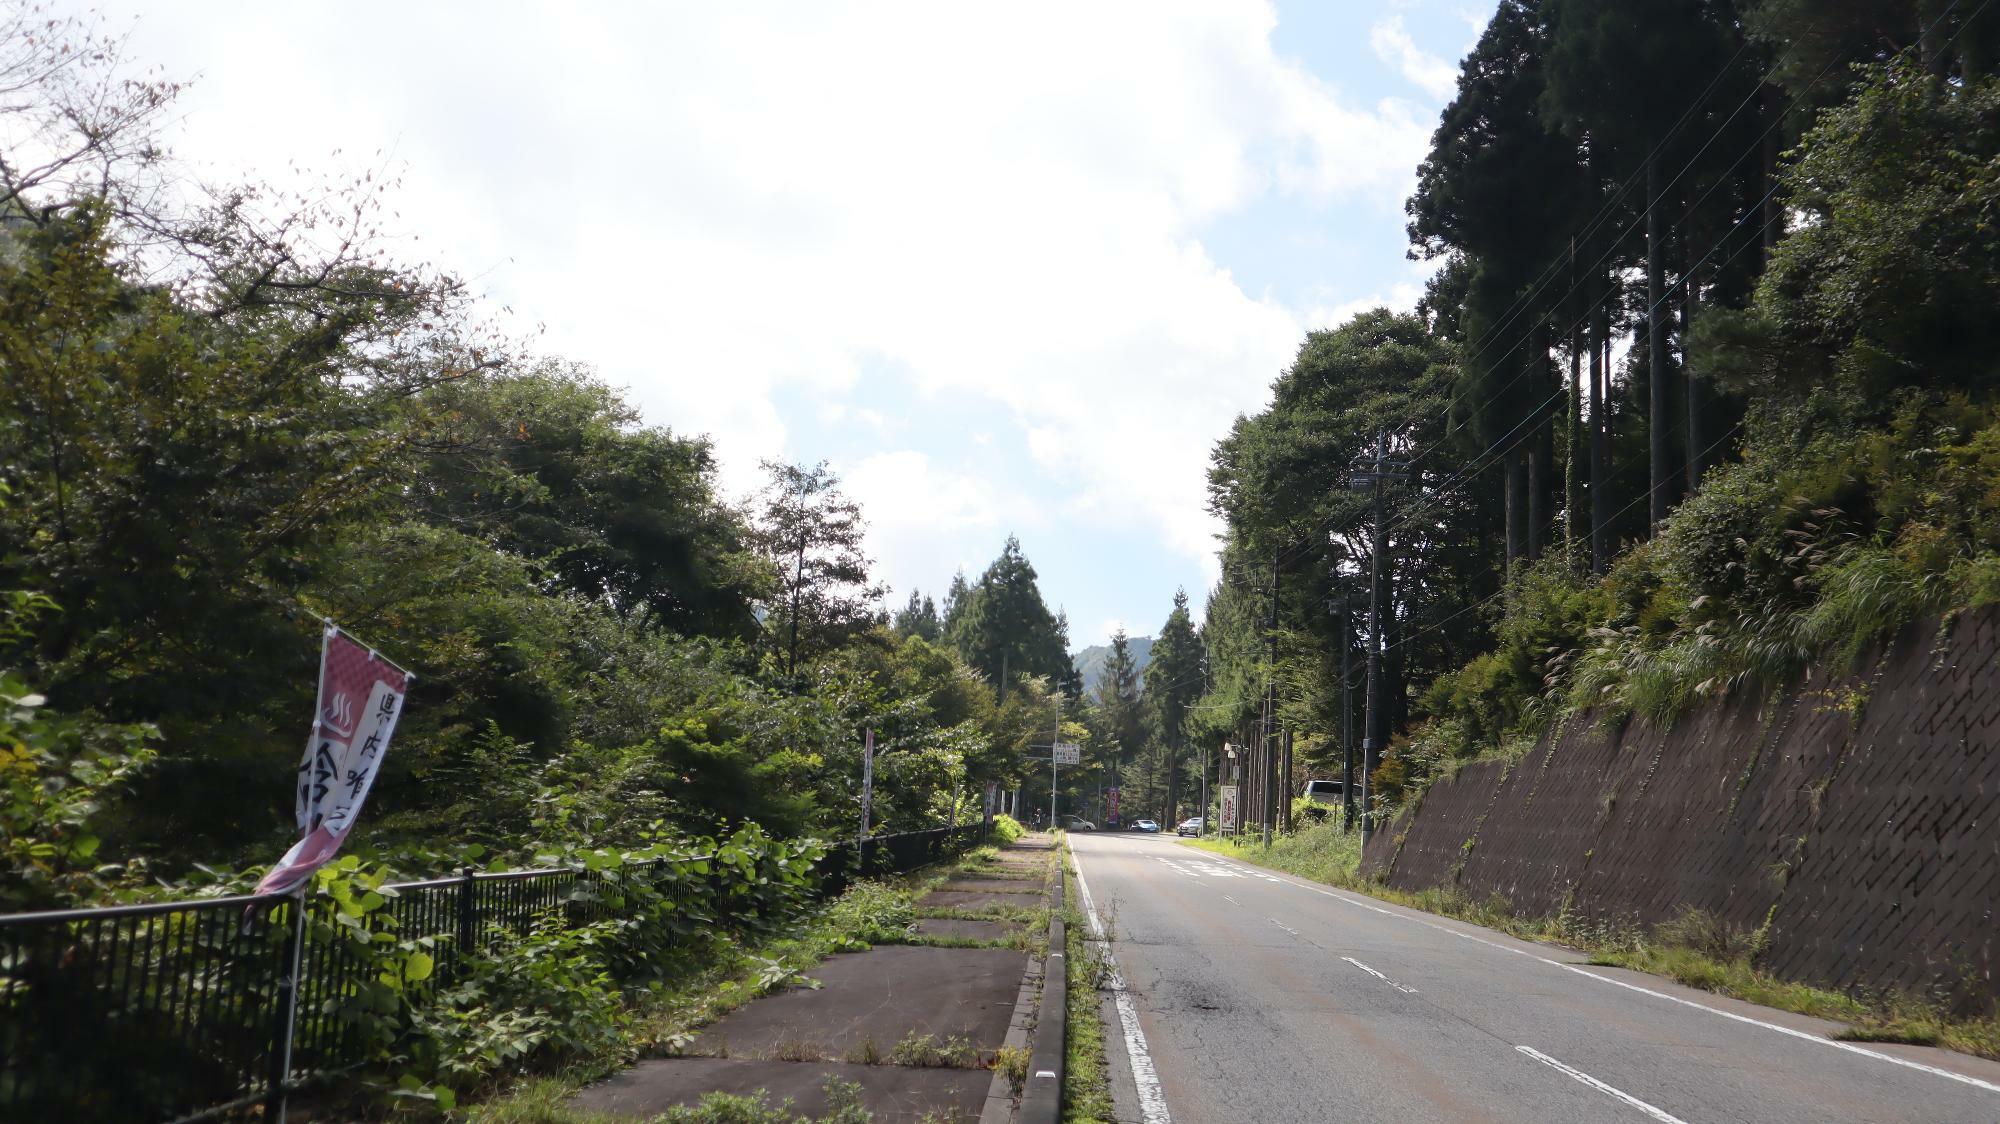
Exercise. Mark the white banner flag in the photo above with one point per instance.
(360, 698)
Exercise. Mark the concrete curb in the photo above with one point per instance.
(1041, 1098)
(999, 1106)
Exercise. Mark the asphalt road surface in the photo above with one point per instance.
(1247, 995)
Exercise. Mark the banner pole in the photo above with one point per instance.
(288, 1012)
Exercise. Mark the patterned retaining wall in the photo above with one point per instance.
(1871, 848)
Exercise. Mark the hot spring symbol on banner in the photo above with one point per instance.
(360, 697)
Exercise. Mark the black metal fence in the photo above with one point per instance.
(184, 1010)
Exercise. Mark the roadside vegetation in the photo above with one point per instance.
(1086, 1071)
(725, 973)
(233, 411)
(1791, 463)
(1703, 394)
(1693, 949)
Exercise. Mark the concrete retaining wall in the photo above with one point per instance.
(1858, 815)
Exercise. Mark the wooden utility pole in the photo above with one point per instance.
(1268, 805)
(1376, 721)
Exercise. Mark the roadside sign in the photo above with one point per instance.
(1067, 753)
(1228, 807)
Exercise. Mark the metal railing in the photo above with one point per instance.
(185, 1011)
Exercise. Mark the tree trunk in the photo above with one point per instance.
(1773, 214)
(1600, 437)
(1538, 448)
(1516, 499)
(1935, 35)
(1697, 403)
(1573, 448)
(1661, 460)
(1538, 491)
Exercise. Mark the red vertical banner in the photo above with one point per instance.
(360, 698)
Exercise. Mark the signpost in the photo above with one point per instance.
(867, 785)
(1229, 809)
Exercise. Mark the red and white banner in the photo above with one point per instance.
(360, 698)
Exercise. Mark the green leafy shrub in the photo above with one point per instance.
(57, 772)
(525, 1003)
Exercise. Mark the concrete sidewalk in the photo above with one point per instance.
(917, 1026)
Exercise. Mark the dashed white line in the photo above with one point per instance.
(1282, 925)
(1145, 1079)
(1660, 1115)
(1835, 1043)
(1392, 983)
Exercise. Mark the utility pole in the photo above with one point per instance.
(1204, 790)
(798, 586)
(1346, 709)
(1285, 785)
(1376, 721)
(1268, 806)
(1053, 743)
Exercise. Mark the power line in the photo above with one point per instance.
(1493, 453)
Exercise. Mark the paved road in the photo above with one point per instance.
(1260, 997)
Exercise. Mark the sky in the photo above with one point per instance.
(1008, 270)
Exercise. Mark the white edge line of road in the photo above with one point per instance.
(1404, 988)
(1658, 1114)
(1152, 1099)
(1835, 1043)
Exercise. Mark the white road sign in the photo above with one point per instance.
(1067, 753)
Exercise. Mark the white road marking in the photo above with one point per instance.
(1807, 1036)
(1208, 868)
(1282, 925)
(1642, 1106)
(1380, 976)
(1231, 901)
(1152, 1099)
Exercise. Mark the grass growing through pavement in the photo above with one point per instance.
(1693, 949)
(1086, 1078)
(868, 913)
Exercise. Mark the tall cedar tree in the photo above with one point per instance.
(1174, 681)
(1118, 696)
(919, 618)
(1003, 628)
(1496, 192)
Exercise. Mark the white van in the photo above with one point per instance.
(1323, 792)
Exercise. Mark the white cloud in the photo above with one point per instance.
(714, 203)
(1393, 45)
(919, 513)
(1401, 297)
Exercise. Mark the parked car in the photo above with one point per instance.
(1144, 825)
(1075, 823)
(1191, 826)
(1323, 792)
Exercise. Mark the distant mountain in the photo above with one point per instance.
(1090, 662)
